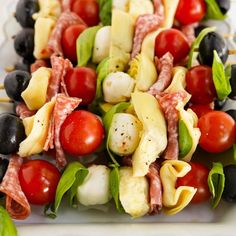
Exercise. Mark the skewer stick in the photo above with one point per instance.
(6, 100)
(230, 51)
(229, 35)
(1, 86)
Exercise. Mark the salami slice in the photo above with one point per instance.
(159, 8)
(63, 107)
(60, 67)
(66, 5)
(165, 65)
(155, 189)
(37, 64)
(16, 202)
(188, 31)
(23, 111)
(168, 103)
(65, 20)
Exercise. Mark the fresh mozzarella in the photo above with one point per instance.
(124, 134)
(95, 188)
(102, 44)
(117, 87)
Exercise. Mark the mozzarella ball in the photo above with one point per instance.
(95, 188)
(117, 87)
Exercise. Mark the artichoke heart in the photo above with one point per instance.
(174, 200)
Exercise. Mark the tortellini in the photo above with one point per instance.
(174, 200)
(140, 7)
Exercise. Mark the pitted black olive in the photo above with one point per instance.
(229, 193)
(24, 44)
(232, 95)
(24, 11)
(15, 83)
(212, 41)
(224, 5)
(12, 133)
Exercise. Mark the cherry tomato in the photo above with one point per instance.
(81, 82)
(197, 178)
(69, 38)
(190, 11)
(88, 10)
(217, 131)
(81, 133)
(38, 180)
(200, 85)
(173, 41)
(201, 110)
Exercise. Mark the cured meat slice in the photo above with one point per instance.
(63, 107)
(16, 202)
(60, 67)
(145, 24)
(65, 20)
(159, 8)
(23, 111)
(168, 103)
(66, 5)
(165, 66)
(37, 64)
(188, 31)
(155, 189)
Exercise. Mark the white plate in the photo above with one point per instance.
(193, 220)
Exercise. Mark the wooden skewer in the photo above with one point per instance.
(229, 35)
(1, 86)
(232, 51)
(6, 100)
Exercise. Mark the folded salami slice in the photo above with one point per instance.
(23, 111)
(65, 20)
(188, 31)
(63, 107)
(66, 5)
(168, 103)
(60, 67)
(165, 66)
(155, 188)
(37, 64)
(16, 203)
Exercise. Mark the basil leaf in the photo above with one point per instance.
(7, 227)
(107, 120)
(72, 177)
(105, 8)
(221, 81)
(216, 183)
(84, 45)
(234, 151)
(196, 43)
(185, 140)
(114, 183)
(213, 11)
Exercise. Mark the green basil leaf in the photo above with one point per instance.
(107, 120)
(221, 81)
(72, 177)
(234, 151)
(216, 183)
(7, 227)
(84, 45)
(114, 183)
(228, 70)
(193, 54)
(105, 7)
(213, 11)
(185, 139)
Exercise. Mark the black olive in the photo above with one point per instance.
(232, 95)
(24, 44)
(218, 105)
(24, 11)
(224, 5)
(232, 113)
(212, 41)
(15, 83)
(3, 168)
(24, 65)
(12, 133)
(198, 29)
(229, 193)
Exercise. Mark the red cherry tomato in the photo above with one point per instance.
(217, 131)
(81, 133)
(200, 85)
(88, 10)
(81, 82)
(197, 178)
(38, 180)
(69, 38)
(190, 11)
(173, 41)
(201, 110)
